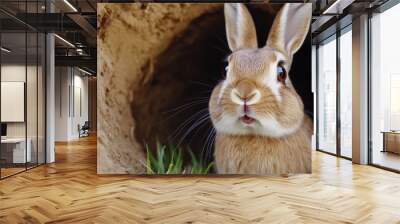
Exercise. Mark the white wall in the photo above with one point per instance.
(71, 102)
(80, 111)
(62, 81)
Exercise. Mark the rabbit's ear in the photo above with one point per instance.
(240, 29)
(290, 27)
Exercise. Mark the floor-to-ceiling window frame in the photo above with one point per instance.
(345, 92)
(326, 98)
(333, 119)
(23, 60)
(383, 84)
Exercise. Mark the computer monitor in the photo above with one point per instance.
(3, 129)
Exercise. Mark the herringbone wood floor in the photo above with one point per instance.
(69, 191)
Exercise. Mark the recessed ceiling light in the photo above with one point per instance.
(337, 7)
(84, 71)
(5, 50)
(70, 5)
(65, 41)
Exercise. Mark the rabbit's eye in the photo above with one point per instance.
(224, 69)
(281, 74)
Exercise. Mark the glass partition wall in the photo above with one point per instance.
(334, 85)
(22, 98)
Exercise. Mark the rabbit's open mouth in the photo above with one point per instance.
(246, 119)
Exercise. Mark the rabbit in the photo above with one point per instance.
(259, 118)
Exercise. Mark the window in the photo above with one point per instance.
(346, 93)
(385, 89)
(327, 96)
(334, 106)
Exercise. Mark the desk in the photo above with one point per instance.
(13, 150)
(391, 141)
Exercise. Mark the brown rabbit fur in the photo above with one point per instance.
(259, 118)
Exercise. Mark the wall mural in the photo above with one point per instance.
(204, 88)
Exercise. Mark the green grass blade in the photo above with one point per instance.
(149, 159)
(207, 170)
(169, 160)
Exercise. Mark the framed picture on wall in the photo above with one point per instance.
(204, 88)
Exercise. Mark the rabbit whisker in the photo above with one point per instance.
(210, 149)
(194, 125)
(183, 109)
(198, 130)
(201, 83)
(187, 122)
(184, 105)
(204, 151)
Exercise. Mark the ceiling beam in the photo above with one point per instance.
(337, 7)
(83, 23)
(79, 61)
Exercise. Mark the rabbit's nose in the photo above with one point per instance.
(245, 97)
(245, 92)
